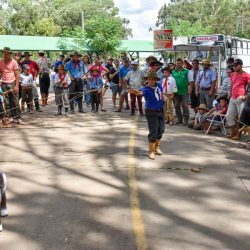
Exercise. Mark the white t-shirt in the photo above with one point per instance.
(26, 80)
(135, 78)
(169, 85)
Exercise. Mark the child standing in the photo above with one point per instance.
(26, 82)
(61, 85)
(96, 85)
(153, 112)
(169, 88)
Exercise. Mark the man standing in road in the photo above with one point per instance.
(114, 78)
(240, 81)
(180, 75)
(44, 79)
(205, 84)
(135, 79)
(122, 73)
(9, 72)
(192, 75)
(77, 70)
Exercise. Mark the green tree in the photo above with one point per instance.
(189, 17)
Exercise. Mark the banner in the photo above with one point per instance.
(163, 39)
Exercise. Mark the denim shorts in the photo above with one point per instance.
(116, 89)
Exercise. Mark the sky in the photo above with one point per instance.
(142, 15)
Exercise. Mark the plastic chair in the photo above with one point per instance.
(221, 122)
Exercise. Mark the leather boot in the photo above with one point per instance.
(5, 123)
(151, 151)
(232, 132)
(80, 107)
(22, 106)
(43, 99)
(59, 111)
(46, 100)
(37, 105)
(157, 147)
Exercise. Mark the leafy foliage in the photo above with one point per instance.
(95, 23)
(189, 17)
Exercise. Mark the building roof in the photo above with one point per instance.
(35, 43)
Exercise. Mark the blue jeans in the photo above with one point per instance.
(86, 87)
(205, 99)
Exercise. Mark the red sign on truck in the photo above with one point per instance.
(163, 39)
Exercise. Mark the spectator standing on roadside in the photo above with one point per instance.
(192, 75)
(86, 80)
(135, 80)
(44, 78)
(205, 84)
(124, 94)
(9, 71)
(114, 84)
(240, 80)
(77, 70)
(181, 97)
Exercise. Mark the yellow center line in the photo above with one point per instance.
(139, 230)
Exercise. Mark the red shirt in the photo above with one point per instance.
(34, 69)
(239, 84)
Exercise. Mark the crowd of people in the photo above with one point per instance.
(169, 91)
(77, 81)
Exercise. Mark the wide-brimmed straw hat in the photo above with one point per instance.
(26, 53)
(203, 106)
(152, 74)
(76, 53)
(156, 63)
(7, 49)
(41, 52)
(206, 62)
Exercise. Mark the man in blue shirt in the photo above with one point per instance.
(124, 94)
(205, 84)
(77, 70)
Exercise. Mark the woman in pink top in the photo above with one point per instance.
(240, 79)
(9, 72)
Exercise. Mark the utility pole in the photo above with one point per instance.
(82, 18)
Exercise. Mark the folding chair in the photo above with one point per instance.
(221, 122)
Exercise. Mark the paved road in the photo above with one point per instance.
(85, 182)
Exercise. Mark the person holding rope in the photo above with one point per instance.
(240, 80)
(77, 70)
(153, 112)
(9, 71)
(61, 84)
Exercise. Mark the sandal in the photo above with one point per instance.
(241, 145)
